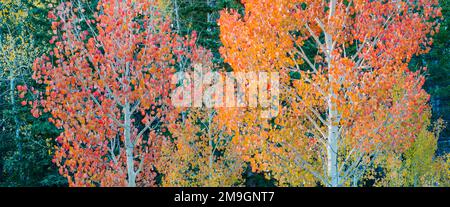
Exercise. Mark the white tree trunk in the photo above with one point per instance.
(333, 119)
(332, 149)
(12, 87)
(177, 16)
(129, 147)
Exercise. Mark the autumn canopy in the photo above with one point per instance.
(348, 102)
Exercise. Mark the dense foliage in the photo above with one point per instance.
(85, 93)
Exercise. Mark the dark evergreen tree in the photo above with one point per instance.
(26, 143)
(201, 16)
(438, 75)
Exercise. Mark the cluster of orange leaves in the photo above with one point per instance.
(380, 103)
(127, 53)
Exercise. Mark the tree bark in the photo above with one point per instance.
(333, 119)
(129, 147)
(177, 16)
(332, 148)
(12, 87)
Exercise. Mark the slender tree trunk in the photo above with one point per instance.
(129, 147)
(177, 16)
(211, 156)
(332, 139)
(333, 119)
(332, 148)
(209, 15)
(12, 87)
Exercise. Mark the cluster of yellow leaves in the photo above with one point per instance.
(418, 166)
(12, 11)
(201, 153)
(16, 56)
